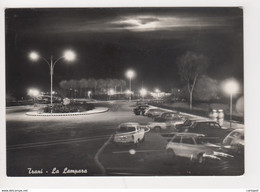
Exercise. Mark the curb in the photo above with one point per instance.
(103, 110)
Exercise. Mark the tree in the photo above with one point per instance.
(65, 86)
(101, 84)
(190, 66)
(122, 85)
(206, 89)
(73, 84)
(83, 83)
(92, 83)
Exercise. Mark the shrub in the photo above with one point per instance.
(70, 108)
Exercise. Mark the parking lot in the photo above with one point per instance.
(83, 145)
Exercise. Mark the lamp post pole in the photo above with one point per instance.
(231, 87)
(51, 72)
(130, 88)
(230, 110)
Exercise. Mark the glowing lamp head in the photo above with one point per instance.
(143, 92)
(231, 86)
(157, 90)
(130, 74)
(33, 92)
(111, 92)
(69, 55)
(34, 56)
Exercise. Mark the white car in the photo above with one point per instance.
(129, 133)
(194, 147)
(234, 142)
(158, 126)
(153, 112)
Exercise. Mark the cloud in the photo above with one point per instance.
(134, 23)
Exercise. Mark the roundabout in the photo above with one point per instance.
(94, 111)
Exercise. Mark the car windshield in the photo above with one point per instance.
(126, 129)
(187, 122)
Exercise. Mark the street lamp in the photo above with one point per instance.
(130, 74)
(68, 55)
(231, 87)
(34, 93)
(143, 92)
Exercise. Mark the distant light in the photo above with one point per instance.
(69, 55)
(130, 74)
(157, 91)
(34, 56)
(143, 92)
(132, 151)
(111, 92)
(128, 92)
(33, 92)
(231, 86)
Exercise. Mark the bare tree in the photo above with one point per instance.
(190, 66)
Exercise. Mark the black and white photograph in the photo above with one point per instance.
(134, 91)
(142, 94)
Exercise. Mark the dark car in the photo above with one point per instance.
(140, 109)
(168, 116)
(187, 123)
(213, 132)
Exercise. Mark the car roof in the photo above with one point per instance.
(238, 130)
(189, 134)
(170, 112)
(205, 120)
(129, 123)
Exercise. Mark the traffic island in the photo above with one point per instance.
(93, 111)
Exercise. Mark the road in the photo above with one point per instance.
(81, 146)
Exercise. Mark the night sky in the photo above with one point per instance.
(108, 41)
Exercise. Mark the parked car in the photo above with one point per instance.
(234, 142)
(194, 147)
(154, 112)
(187, 123)
(167, 116)
(140, 109)
(129, 133)
(141, 103)
(158, 126)
(211, 129)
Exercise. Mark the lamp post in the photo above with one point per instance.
(130, 74)
(231, 87)
(68, 55)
